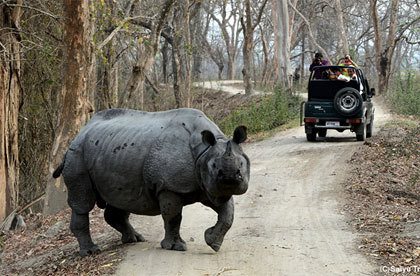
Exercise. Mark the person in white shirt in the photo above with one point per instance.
(353, 76)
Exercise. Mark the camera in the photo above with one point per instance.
(318, 61)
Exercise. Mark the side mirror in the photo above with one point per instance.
(372, 92)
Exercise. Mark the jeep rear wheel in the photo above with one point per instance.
(361, 132)
(348, 101)
(322, 132)
(369, 128)
(311, 137)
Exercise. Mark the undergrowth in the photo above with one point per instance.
(405, 95)
(265, 115)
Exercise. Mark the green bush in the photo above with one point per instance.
(268, 114)
(405, 95)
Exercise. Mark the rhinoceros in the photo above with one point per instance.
(153, 163)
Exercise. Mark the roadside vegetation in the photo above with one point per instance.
(404, 97)
(264, 115)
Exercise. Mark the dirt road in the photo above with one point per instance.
(290, 222)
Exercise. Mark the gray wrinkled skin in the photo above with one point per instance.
(130, 161)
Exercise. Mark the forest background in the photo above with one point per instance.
(62, 61)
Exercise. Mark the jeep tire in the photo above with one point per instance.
(311, 137)
(369, 127)
(322, 132)
(348, 101)
(361, 132)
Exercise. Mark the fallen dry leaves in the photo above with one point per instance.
(383, 195)
(47, 247)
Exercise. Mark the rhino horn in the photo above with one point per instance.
(228, 151)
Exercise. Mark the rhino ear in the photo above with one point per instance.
(239, 135)
(208, 138)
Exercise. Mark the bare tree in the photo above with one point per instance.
(310, 33)
(132, 95)
(248, 27)
(225, 14)
(10, 89)
(385, 46)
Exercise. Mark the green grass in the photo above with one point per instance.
(265, 116)
(405, 95)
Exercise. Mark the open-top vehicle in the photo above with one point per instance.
(339, 105)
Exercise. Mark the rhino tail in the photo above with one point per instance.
(59, 170)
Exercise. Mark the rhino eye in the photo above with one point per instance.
(214, 165)
(242, 164)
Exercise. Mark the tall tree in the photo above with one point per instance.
(10, 89)
(248, 27)
(282, 42)
(343, 46)
(225, 14)
(74, 94)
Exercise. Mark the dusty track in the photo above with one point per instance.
(290, 222)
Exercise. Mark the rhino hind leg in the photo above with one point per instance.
(171, 208)
(79, 225)
(118, 219)
(81, 199)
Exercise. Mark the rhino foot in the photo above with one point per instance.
(89, 251)
(212, 239)
(133, 237)
(174, 244)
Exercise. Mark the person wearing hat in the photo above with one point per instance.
(318, 61)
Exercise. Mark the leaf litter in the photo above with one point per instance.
(383, 195)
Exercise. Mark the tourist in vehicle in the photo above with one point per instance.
(352, 74)
(347, 61)
(318, 61)
(338, 75)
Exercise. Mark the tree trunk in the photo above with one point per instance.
(343, 45)
(187, 54)
(247, 48)
(220, 66)
(176, 72)
(266, 57)
(196, 31)
(231, 67)
(74, 94)
(165, 61)
(302, 61)
(282, 42)
(10, 89)
(384, 53)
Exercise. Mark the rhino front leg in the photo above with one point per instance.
(118, 219)
(171, 208)
(79, 226)
(214, 235)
